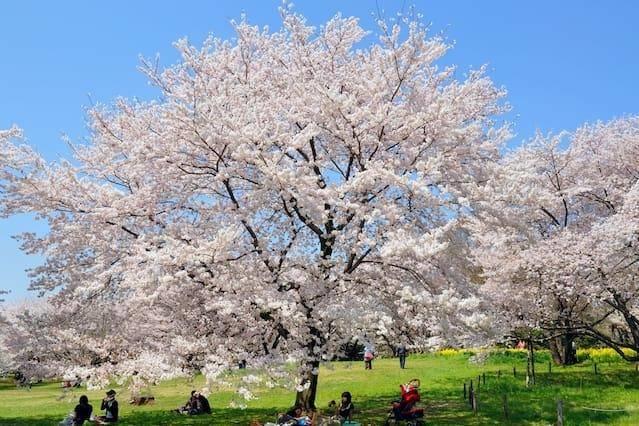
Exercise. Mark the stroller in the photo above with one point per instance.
(404, 410)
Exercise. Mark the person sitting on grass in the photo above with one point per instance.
(82, 411)
(346, 407)
(405, 408)
(110, 405)
(197, 404)
(22, 381)
(202, 404)
(191, 405)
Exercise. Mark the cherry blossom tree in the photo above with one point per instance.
(549, 202)
(610, 277)
(6, 136)
(289, 191)
(95, 342)
(533, 206)
(602, 260)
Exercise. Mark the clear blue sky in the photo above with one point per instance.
(563, 62)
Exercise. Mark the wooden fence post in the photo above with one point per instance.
(471, 393)
(549, 367)
(560, 413)
(464, 391)
(475, 403)
(505, 404)
(514, 371)
(595, 368)
(483, 378)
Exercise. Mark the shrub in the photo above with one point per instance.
(601, 354)
(451, 352)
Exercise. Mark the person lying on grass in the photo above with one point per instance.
(297, 417)
(142, 400)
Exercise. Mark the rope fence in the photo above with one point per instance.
(471, 392)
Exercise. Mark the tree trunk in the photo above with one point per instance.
(561, 348)
(531, 362)
(306, 397)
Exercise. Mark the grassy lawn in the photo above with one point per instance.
(614, 388)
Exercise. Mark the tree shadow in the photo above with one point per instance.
(536, 404)
(579, 388)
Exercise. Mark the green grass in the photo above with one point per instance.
(616, 387)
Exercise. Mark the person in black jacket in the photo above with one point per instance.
(110, 405)
(82, 411)
(346, 407)
(203, 406)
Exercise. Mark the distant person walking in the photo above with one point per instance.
(369, 354)
(401, 354)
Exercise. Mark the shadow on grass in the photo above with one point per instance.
(581, 392)
(10, 384)
(437, 413)
(579, 388)
(162, 418)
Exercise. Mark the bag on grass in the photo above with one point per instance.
(68, 420)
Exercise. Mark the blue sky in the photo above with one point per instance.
(563, 62)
